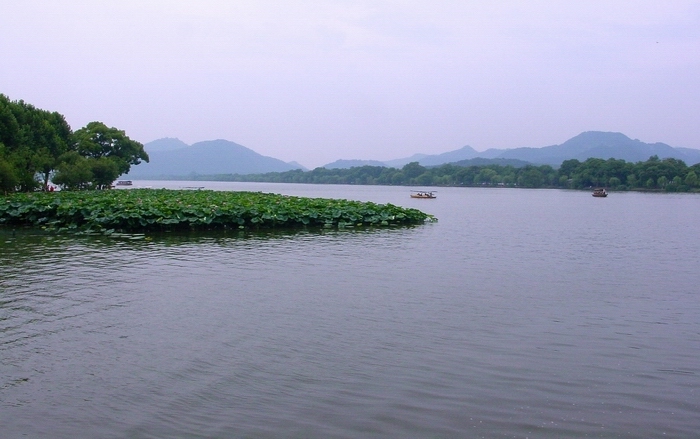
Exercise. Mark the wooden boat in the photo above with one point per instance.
(600, 192)
(124, 183)
(423, 194)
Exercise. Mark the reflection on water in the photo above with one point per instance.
(519, 314)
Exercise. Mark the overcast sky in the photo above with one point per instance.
(316, 81)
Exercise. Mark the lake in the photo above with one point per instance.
(519, 314)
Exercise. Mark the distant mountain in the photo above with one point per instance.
(604, 145)
(297, 165)
(689, 155)
(168, 158)
(598, 144)
(173, 158)
(346, 164)
(165, 144)
(481, 161)
(491, 153)
(464, 153)
(400, 163)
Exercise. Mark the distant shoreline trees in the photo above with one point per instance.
(38, 147)
(670, 175)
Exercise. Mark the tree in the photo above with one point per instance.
(102, 154)
(73, 172)
(569, 167)
(96, 141)
(36, 145)
(676, 185)
(398, 178)
(485, 176)
(104, 172)
(8, 179)
(9, 127)
(691, 179)
(531, 177)
(425, 179)
(509, 179)
(33, 139)
(413, 170)
(56, 138)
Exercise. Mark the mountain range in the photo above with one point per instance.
(173, 158)
(598, 144)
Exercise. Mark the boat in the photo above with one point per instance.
(423, 194)
(600, 192)
(124, 183)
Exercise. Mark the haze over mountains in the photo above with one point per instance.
(174, 158)
(597, 144)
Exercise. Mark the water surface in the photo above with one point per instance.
(521, 313)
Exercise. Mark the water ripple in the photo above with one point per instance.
(490, 323)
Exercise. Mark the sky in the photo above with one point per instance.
(317, 81)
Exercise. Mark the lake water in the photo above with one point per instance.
(520, 314)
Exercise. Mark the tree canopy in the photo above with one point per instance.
(31, 140)
(38, 147)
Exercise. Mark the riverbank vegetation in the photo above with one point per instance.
(143, 210)
(669, 175)
(38, 147)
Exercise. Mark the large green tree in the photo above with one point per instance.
(96, 140)
(101, 155)
(38, 146)
(33, 140)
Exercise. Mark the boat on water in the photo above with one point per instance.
(600, 192)
(423, 194)
(124, 183)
